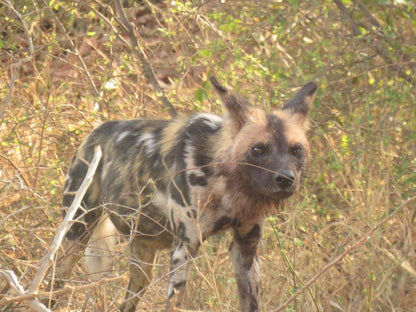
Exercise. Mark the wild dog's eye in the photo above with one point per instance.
(258, 149)
(297, 151)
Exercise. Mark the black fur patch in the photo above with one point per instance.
(192, 214)
(180, 284)
(277, 127)
(196, 180)
(176, 159)
(248, 244)
(222, 223)
(181, 231)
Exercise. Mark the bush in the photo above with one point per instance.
(68, 66)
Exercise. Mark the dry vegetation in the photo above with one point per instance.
(68, 66)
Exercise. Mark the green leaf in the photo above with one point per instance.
(200, 95)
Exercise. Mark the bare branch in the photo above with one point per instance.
(46, 261)
(377, 47)
(15, 68)
(144, 60)
(67, 289)
(12, 279)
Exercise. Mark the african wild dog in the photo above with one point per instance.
(173, 183)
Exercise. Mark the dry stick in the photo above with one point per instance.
(347, 251)
(45, 115)
(146, 67)
(46, 260)
(12, 81)
(59, 292)
(65, 225)
(13, 281)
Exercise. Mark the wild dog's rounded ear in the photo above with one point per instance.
(220, 89)
(236, 106)
(301, 103)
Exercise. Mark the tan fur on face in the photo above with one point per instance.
(296, 127)
(250, 134)
(298, 120)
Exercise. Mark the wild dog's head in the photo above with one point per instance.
(262, 152)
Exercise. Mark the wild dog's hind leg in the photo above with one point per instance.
(142, 252)
(243, 254)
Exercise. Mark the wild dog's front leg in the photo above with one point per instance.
(243, 254)
(181, 254)
(184, 247)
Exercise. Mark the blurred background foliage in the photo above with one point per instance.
(66, 66)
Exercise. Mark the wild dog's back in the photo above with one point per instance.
(142, 158)
(130, 148)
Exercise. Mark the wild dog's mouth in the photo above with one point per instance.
(277, 194)
(280, 195)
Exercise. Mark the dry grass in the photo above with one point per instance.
(66, 67)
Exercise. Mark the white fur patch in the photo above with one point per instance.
(122, 135)
(213, 121)
(101, 247)
(148, 139)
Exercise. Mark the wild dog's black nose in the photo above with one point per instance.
(285, 178)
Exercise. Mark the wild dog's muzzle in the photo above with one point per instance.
(284, 184)
(285, 179)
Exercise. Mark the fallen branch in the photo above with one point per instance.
(347, 251)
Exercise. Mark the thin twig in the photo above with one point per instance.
(16, 67)
(46, 261)
(347, 251)
(13, 281)
(45, 115)
(60, 292)
(74, 51)
(377, 47)
(144, 60)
